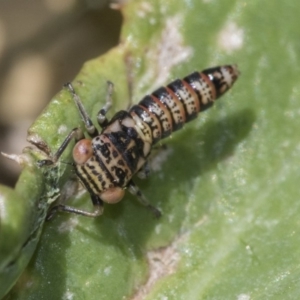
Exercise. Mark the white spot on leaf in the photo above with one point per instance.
(107, 270)
(162, 262)
(68, 295)
(243, 297)
(170, 51)
(68, 225)
(231, 37)
(158, 159)
(62, 129)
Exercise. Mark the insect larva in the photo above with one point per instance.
(106, 162)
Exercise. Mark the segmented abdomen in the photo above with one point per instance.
(125, 143)
(168, 108)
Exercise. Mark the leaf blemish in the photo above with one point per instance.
(169, 52)
(231, 37)
(62, 129)
(243, 297)
(68, 225)
(162, 262)
(156, 163)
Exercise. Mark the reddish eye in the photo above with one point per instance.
(113, 195)
(82, 151)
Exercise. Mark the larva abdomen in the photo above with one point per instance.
(168, 108)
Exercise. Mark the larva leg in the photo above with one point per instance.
(101, 116)
(97, 203)
(90, 128)
(76, 133)
(134, 190)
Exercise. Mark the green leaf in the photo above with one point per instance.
(22, 215)
(229, 188)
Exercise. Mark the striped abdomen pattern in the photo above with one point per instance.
(125, 143)
(168, 108)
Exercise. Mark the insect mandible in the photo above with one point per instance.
(106, 162)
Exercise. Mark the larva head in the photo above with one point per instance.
(222, 77)
(82, 151)
(113, 195)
